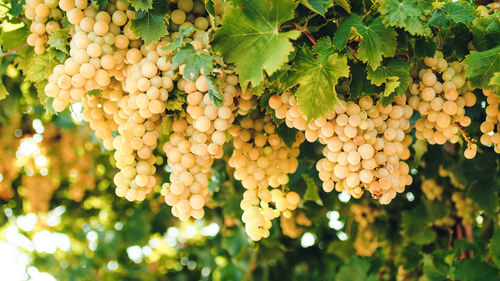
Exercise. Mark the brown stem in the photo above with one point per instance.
(352, 54)
(460, 235)
(468, 139)
(306, 33)
(13, 50)
(482, 2)
(444, 38)
(251, 266)
(468, 236)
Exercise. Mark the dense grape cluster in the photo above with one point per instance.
(440, 97)
(465, 207)
(491, 126)
(197, 140)
(262, 160)
(365, 144)
(45, 17)
(294, 226)
(432, 190)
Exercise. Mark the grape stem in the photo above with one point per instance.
(13, 50)
(468, 139)
(251, 266)
(306, 32)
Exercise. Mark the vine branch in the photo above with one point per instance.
(306, 32)
(14, 50)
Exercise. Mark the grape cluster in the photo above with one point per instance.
(45, 17)
(294, 226)
(261, 159)
(197, 140)
(365, 144)
(8, 168)
(366, 241)
(491, 126)
(432, 190)
(465, 207)
(440, 97)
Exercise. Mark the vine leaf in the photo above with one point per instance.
(360, 85)
(151, 27)
(495, 248)
(456, 12)
(317, 78)
(318, 6)
(142, 4)
(195, 62)
(486, 32)
(102, 4)
(475, 270)
(481, 66)
(356, 269)
(213, 92)
(394, 75)
(288, 135)
(37, 68)
(495, 82)
(3, 92)
(175, 101)
(250, 38)
(312, 193)
(14, 38)
(58, 40)
(344, 4)
(377, 40)
(407, 14)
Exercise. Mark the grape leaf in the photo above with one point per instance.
(194, 61)
(434, 268)
(58, 40)
(94, 92)
(475, 270)
(395, 75)
(175, 101)
(316, 95)
(213, 93)
(3, 91)
(37, 67)
(102, 4)
(481, 66)
(16, 7)
(312, 193)
(318, 6)
(457, 12)
(495, 82)
(14, 38)
(250, 38)
(495, 247)
(141, 4)
(377, 40)
(486, 32)
(323, 48)
(45, 100)
(360, 85)
(424, 47)
(288, 135)
(356, 269)
(344, 4)
(484, 194)
(406, 14)
(151, 27)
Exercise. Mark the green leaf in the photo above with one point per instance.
(495, 82)
(288, 135)
(194, 61)
(316, 95)
(486, 32)
(394, 75)
(250, 38)
(416, 226)
(495, 247)
(44, 99)
(3, 91)
(344, 4)
(142, 4)
(37, 67)
(457, 12)
(323, 49)
(16, 7)
(175, 101)
(424, 47)
(356, 269)
(151, 27)
(360, 85)
(407, 14)
(102, 4)
(14, 38)
(434, 270)
(484, 194)
(318, 6)
(377, 40)
(481, 66)
(213, 92)
(58, 40)
(475, 270)
(94, 92)
(312, 193)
